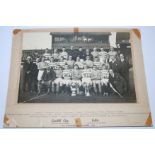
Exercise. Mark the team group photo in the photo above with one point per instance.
(83, 67)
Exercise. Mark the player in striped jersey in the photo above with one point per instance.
(86, 79)
(95, 53)
(97, 63)
(96, 79)
(104, 80)
(88, 62)
(103, 55)
(70, 62)
(79, 62)
(64, 54)
(76, 80)
(58, 81)
(62, 63)
(66, 78)
(52, 63)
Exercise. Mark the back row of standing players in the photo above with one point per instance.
(78, 70)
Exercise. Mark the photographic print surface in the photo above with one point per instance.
(76, 67)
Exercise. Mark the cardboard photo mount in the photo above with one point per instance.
(23, 115)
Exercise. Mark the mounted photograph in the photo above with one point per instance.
(77, 77)
(87, 67)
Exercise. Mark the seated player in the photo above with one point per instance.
(58, 81)
(76, 80)
(97, 63)
(70, 62)
(79, 62)
(95, 53)
(66, 79)
(63, 54)
(103, 55)
(104, 73)
(47, 78)
(96, 79)
(88, 62)
(61, 62)
(86, 80)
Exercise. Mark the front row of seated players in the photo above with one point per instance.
(62, 79)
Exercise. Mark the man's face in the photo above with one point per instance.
(95, 49)
(48, 69)
(52, 59)
(78, 59)
(111, 72)
(70, 58)
(55, 51)
(87, 58)
(75, 67)
(121, 56)
(66, 66)
(80, 49)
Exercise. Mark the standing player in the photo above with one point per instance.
(95, 53)
(76, 80)
(63, 54)
(96, 79)
(55, 55)
(104, 73)
(66, 79)
(103, 55)
(86, 80)
(58, 81)
(70, 62)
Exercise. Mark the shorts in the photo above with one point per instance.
(66, 81)
(40, 74)
(86, 81)
(77, 82)
(58, 81)
(104, 81)
(96, 82)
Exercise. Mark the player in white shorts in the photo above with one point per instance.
(70, 62)
(104, 80)
(66, 79)
(86, 79)
(41, 67)
(96, 79)
(76, 80)
(58, 81)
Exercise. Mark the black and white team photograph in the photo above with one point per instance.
(79, 67)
